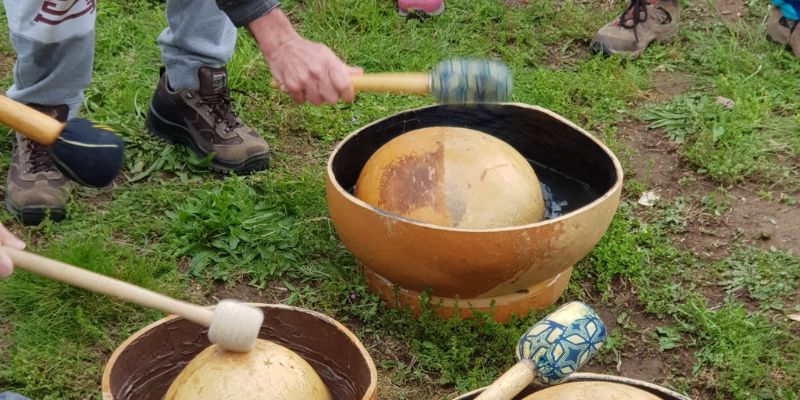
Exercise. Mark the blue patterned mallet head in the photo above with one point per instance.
(464, 81)
(562, 342)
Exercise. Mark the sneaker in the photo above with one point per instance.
(782, 30)
(35, 188)
(204, 121)
(424, 7)
(643, 22)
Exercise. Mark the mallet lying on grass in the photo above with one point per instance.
(458, 81)
(550, 350)
(87, 153)
(232, 325)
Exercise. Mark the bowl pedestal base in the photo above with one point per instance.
(536, 297)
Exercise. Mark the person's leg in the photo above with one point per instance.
(12, 396)
(54, 45)
(198, 35)
(782, 24)
(192, 105)
(426, 7)
(642, 22)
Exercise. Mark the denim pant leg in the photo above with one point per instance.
(199, 34)
(12, 396)
(54, 45)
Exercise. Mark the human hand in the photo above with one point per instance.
(8, 239)
(306, 70)
(309, 71)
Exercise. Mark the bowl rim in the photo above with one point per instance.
(362, 204)
(589, 376)
(373, 372)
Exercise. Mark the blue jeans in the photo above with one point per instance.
(12, 396)
(54, 44)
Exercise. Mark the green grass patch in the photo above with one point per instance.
(272, 229)
(741, 355)
(641, 253)
(232, 230)
(744, 141)
(769, 277)
(61, 336)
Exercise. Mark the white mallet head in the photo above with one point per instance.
(235, 326)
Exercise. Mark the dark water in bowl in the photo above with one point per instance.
(562, 194)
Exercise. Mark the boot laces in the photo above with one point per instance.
(220, 106)
(634, 14)
(40, 159)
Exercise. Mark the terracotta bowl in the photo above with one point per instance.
(144, 366)
(658, 391)
(508, 270)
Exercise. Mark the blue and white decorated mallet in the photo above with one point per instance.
(456, 81)
(550, 350)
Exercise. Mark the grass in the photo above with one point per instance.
(771, 278)
(57, 328)
(737, 62)
(171, 226)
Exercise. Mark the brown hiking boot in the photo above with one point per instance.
(203, 120)
(35, 188)
(643, 22)
(782, 30)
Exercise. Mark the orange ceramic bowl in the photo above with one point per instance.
(508, 270)
(145, 365)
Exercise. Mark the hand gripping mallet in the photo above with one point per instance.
(87, 153)
(458, 81)
(232, 325)
(550, 350)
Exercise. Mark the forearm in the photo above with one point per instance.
(243, 12)
(271, 31)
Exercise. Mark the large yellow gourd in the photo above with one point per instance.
(452, 177)
(269, 371)
(592, 391)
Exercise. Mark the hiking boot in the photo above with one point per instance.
(35, 188)
(782, 30)
(204, 121)
(643, 22)
(424, 7)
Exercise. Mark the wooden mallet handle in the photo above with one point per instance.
(389, 82)
(550, 350)
(33, 124)
(409, 83)
(512, 382)
(97, 283)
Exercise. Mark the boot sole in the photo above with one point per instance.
(177, 134)
(600, 48)
(433, 13)
(35, 215)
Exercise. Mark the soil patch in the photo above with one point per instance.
(638, 356)
(298, 151)
(731, 10)
(746, 215)
(516, 3)
(273, 294)
(667, 85)
(6, 63)
(569, 54)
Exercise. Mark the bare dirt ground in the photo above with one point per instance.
(751, 218)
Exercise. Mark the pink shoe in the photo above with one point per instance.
(427, 7)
